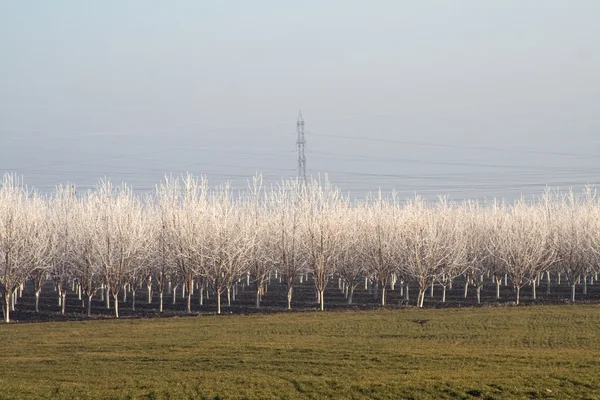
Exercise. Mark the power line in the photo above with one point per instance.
(456, 146)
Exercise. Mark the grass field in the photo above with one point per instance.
(501, 352)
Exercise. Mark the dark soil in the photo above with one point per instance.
(274, 301)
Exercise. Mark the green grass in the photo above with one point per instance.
(512, 352)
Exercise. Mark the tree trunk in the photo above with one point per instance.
(534, 291)
(289, 297)
(498, 282)
(431, 291)
(201, 295)
(421, 298)
(116, 304)
(189, 301)
(64, 302)
(466, 288)
(382, 295)
(160, 302)
(573, 292)
(585, 284)
(218, 301)
(133, 299)
(37, 300)
(350, 294)
(478, 294)
(89, 306)
(258, 298)
(548, 282)
(149, 287)
(443, 293)
(228, 296)
(6, 308)
(518, 290)
(321, 297)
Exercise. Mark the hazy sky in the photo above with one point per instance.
(471, 98)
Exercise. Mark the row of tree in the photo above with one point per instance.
(190, 236)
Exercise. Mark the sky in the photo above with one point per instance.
(470, 99)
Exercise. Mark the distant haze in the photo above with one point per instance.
(470, 98)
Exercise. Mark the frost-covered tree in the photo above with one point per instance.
(324, 210)
(522, 242)
(263, 253)
(22, 237)
(380, 224)
(229, 244)
(184, 218)
(285, 226)
(81, 221)
(573, 228)
(121, 235)
(471, 236)
(63, 218)
(428, 243)
(162, 258)
(47, 248)
(351, 264)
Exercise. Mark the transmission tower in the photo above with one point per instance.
(300, 145)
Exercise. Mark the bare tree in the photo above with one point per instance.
(522, 242)
(285, 227)
(121, 235)
(229, 244)
(81, 220)
(324, 210)
(574, 235)
(474, 231)
(162, 260)
(428, 243)
(381, 224)
(47, 247)
(261, 257)
(183, 216)
(21, 238)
